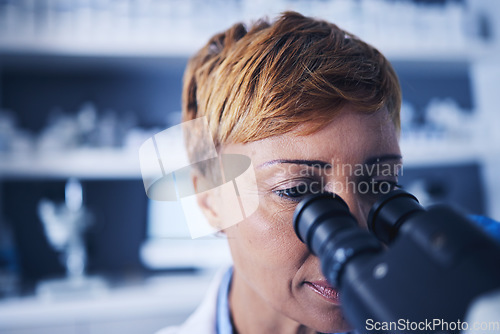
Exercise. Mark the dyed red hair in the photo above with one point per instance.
(265, 81)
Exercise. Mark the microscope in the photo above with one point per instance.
(413, 271)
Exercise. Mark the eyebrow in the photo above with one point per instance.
(383, 158)
(327, 165)
(310, 163)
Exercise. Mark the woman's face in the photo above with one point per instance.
(355, 156)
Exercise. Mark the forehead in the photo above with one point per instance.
(351, 137)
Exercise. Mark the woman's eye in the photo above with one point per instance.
(295, 193)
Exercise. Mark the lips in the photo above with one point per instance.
(325, 290)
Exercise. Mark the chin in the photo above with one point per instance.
(327, 322)
(336, 328)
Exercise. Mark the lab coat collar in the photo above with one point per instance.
(203, 320)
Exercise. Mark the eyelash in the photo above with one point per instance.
(293, 193)
(297, 193)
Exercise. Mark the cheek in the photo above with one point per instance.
(266, 239)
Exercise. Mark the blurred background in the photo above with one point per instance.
(83, 83)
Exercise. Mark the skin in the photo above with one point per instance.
(271, 265)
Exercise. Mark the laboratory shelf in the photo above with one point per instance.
(124, 164)
(80, 163)
(432, 153)
(474, 51)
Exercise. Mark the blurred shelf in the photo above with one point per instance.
(162, 253)
(434, 153)
(81, 163)
(176, 46)
(124, 164)
(472, 52)
(97, 49)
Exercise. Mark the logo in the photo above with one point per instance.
(168, 174)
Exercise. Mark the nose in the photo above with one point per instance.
(356, 205)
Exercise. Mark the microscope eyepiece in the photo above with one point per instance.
(389, 212)
(310, 214)
(324, 223)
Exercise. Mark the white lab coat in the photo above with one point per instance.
(203, 320)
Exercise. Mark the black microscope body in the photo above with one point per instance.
(414, 271)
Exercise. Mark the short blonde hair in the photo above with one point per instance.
(265, 81)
